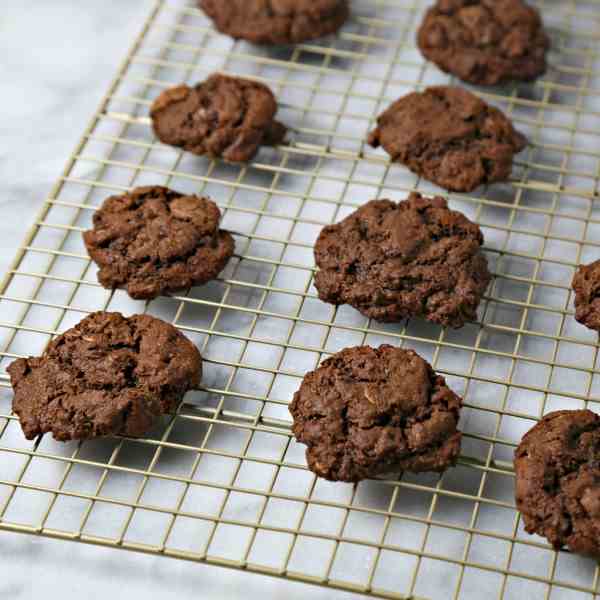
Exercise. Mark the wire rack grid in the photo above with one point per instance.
(222, 481)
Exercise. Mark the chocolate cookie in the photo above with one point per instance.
(485, 41)
(156, 241)
(557, 466)
(277, 21)
(450, 137)
(108, 375)
(586, 284)
(367, 411)
(226, 117)
(391, 261)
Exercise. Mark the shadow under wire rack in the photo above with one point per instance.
(222, 481)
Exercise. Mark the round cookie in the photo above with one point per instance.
(449, 136)
(485, 42)
(274, 22)
(155, 241)
(392, 261)
(586, 284)
(557, 466)
(107, 375)
(222, 117)
(367, 411)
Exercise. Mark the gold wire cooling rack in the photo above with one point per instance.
(222, 481)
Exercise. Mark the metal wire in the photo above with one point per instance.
(222, 481)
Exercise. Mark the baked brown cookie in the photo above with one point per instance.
(277, 21)
(450, 137)
(557, 466)
(223, 117)
(393, 261)
(367, 411)
(155, 241)
(586, 284)
(485, 42)
(107, 375)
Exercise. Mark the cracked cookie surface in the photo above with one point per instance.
(415, 258)
(107, 375)
(557, 467)
(155, 241)
(450, 137)
(485, 42)
(273, 22)
(222, 117)
(367, 411)
(586, 284)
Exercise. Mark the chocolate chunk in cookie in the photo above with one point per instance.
(108, 375)
(392, 261)
(367, 411)
(485, 42)
(155, 241)
(275, 22)
(557, 466)
(223, 117)
(450, 137)
(586, 284)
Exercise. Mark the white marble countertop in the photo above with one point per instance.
(57, 61)
(58, 58)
